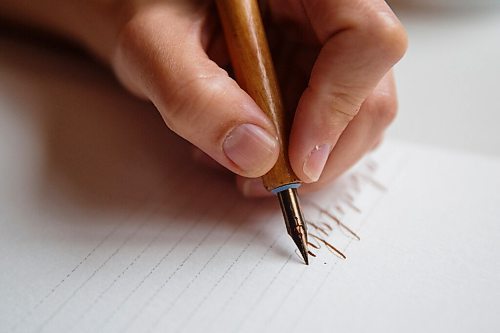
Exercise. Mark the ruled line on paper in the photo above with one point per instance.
(362, 223)
(202, 269)
(299, 277)
(143, 280)
(75, 291)
(116, 279)
(163, 307)
(222, 277)
(91, 253)
(201, 216)
(180, 210)
(121, 223)
(205, 265)
(63, 280)
(263, 292)
(157, 265)
(242, 283)
(168, 279)
(345, 199)
(273, 279)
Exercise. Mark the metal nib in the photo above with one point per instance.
(294, 220)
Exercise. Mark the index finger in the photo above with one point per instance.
(361, 41)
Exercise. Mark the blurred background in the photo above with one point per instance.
(449, 81)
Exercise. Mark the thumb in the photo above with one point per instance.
(165, 62)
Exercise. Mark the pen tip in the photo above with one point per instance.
(302, 246)
(294, 221)
(306, 258)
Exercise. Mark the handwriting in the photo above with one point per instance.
(320, 231)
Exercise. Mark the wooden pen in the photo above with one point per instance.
(253, 67)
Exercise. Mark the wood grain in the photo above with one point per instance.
(253, 66)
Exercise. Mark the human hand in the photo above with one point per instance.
(334, 58)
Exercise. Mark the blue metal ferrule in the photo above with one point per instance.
(285, 187)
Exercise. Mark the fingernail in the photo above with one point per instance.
(251, 148)
(253, 187)
(315, 162)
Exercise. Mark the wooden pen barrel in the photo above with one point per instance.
(253, 66)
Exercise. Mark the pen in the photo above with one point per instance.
(254, 71)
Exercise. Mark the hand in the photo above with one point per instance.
(336, 71)
(334, 57)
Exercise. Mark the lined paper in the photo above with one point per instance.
(228, 263)
(106, 225)
(148, 272)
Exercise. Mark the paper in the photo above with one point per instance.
(107, 226)
(427, 256)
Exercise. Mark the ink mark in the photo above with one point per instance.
(321, 230)
(349, 196)
(329, 246)
(329, 227)
(334, 218)
(349, 202)
(371, 165)
(340, 209)
(318, 228)
(317, 247)
(311, 254)
(374, 182)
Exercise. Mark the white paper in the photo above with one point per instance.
(107, 226)
(427, 259)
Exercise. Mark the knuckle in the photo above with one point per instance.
(345, 106)
(384, 108)
(132, 33)
(343, 101)
(388, 34)
(132, 60)
(139, 26)
(342, 116)
(191, 101)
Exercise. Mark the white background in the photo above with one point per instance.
(449, 81)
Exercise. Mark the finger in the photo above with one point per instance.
(292, 19)
(362, 134)
(362, 40)
(160, 55)
(377, 142)
(202, 158)
(252, 187)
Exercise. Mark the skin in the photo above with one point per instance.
(333, 57)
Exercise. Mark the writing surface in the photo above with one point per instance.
(107, 225)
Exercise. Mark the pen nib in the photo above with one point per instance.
(302, 245)
(294, 220)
